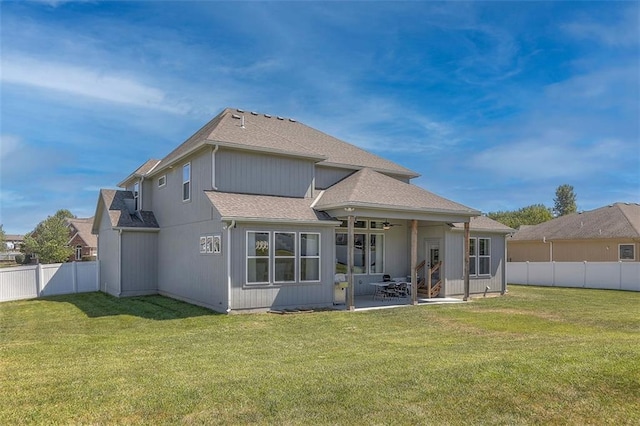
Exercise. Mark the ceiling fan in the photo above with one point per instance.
(386, 225)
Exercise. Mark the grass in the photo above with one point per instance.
(535, 356)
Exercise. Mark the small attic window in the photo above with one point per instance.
(162, 181)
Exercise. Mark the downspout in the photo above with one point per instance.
(231, 225)
(544, 240)
(213, 167)
(119, 262)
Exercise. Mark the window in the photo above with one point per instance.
(376, 253)
(258, 257)
(479, 256)
(162, 181)
(626, 252)
(358, 224)
(284, 257)
(136, 193)
(365, 246)
(309, 257)
(186, 182)
(78, 252)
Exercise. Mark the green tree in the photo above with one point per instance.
(3, 240)
(49, 239)
(565, 201)
(530, 215)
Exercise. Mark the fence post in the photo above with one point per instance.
(74, 276)
(39, 279)
(620, 273)
(553, 273)
(97, 275)
(584, 281)
(527, 272)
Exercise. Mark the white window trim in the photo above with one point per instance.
(634, 252)
(78, 247)
(162, 178)
(247, 257)
(384, 253)
(367, 252)
(136, 196)
(476, 258)
(185, 182)
(319, 257)
(294, 257)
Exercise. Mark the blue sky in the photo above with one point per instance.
(495, 104)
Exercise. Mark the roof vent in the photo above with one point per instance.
(236, 116)
(292, 120)
(268, 115)
(279, 118)
(240, 110)
(254, 113)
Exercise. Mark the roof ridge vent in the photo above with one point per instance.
(268, 115)
(236, 116)
(254, 113)
(292, 120)
(280, 118)
(240, 110)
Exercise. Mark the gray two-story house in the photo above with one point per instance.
(258, 212)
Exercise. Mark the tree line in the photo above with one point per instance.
(564, 203)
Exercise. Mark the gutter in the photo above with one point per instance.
(287, 221)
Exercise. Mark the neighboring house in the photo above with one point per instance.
(252, 213)
(607, 234)
(13, 242)
(83, 242)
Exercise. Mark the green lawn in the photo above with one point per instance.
(534, 356)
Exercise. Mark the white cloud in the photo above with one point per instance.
(8, 145)
(83, 81)
(625, 32)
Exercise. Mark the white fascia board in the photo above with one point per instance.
(133, 229)
(390, 209)
(280, 221)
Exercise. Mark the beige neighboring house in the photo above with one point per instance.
(607, 234)
(83, 242)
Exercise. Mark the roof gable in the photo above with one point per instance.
(486, 224)
(614, 221)
(82, 227)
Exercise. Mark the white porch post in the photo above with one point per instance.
(350, 245)
(414, 261)
(466, 261)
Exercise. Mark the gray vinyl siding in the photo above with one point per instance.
(454, 249)
(184, 273)
(251, 173)
(108, 256)
(328, 176)
(280, 296)
(139, 263)
(167, 204)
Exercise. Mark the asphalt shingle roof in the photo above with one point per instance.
(619, 220)
(367, 187)
(484, 223)
(83, 227)
(265, 207)
(119, 213)
(269, 133)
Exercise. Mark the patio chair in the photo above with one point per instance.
(386, 278)
(403, 289)
(391, 290)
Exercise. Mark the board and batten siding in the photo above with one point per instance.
(454, 276)
(251, 173)
(167, 204)
(186, 274)
(109, 256)
(139, 263)
(328, 176)
(281, 296)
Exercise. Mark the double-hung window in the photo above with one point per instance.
(258, 257)
(479, 256)
(284, 257)
(280, 257)
(78, 252)
(186, 182)
(309, 257)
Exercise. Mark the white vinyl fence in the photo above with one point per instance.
(28, 282)
(604, 275)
